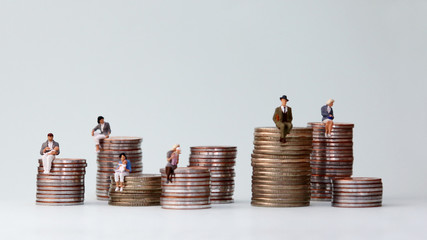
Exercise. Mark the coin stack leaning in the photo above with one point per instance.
(139, 190)
(331, 157)
(189, 189)
(108, 157)
(64, 185)
(220, 160)
(357, 192)
(281, 171)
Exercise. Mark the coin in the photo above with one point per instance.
(357, 192)
(139, 190)
(331, 157)
(281, 171)
(220, 160)
(186, 191)
(64, 185)
(108, 157)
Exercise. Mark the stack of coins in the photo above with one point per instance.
(64, 185)
(281, 171)
(220, 160)
(189, 189)
(139, 190)
(357, 192)
(108, 158)
(331, 157)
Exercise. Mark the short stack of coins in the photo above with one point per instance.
(189, 189)
(64, 185)
(332, 156)
(107, 159)
(139, 190)
(281, 171)
(357, 192)
(221, 161)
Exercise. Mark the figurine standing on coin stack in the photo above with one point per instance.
(105, 131)
(189, 190)
(221, 161)
(281, 171)
(65, 185)
(49, 150)
(172, 162)
(283, 118)
(111, 148)
(332, 157)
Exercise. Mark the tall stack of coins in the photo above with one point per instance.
(189, 189)
(108, 158)
(331, 157)
(220, 160)
(139, 190)
(281, 171)
(64, 185)
(357, 192)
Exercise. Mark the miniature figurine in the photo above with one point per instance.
(172, 162)
(328, 117)
(283, 118)
(49, 150)
(105, 131)
(122, 169)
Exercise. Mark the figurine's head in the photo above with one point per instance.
(284, 100)
(50, 137)
(101, 120)
(174, 147)
(178, 150)
(330, 102)
(123, 157)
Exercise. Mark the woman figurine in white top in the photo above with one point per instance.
(104, 131)
(328, 117)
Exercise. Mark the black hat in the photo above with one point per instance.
(284, 97)
(50, 134)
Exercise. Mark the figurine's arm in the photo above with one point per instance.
(324, 112)
(275, 117)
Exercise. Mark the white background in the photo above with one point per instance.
(208, 73)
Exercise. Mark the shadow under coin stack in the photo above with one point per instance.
(357, 192)
(189, 189)
(139, 190)
(65, 185)
(108, 158)
(220, 161)
(331, 157)
(281, 171)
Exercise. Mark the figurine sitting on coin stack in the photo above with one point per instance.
(172, 162)
(328, 117)
(49, 150)
(123, 169)
(283, 118)
(105, 131)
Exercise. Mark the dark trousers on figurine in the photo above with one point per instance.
(284, 127)
(170, 173)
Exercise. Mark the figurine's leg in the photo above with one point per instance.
(96, 138)
(288, 127)
(281, 127)
(47, 162)
(168, 172)
(116, 178)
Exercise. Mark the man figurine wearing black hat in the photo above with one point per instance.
(283, 118)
